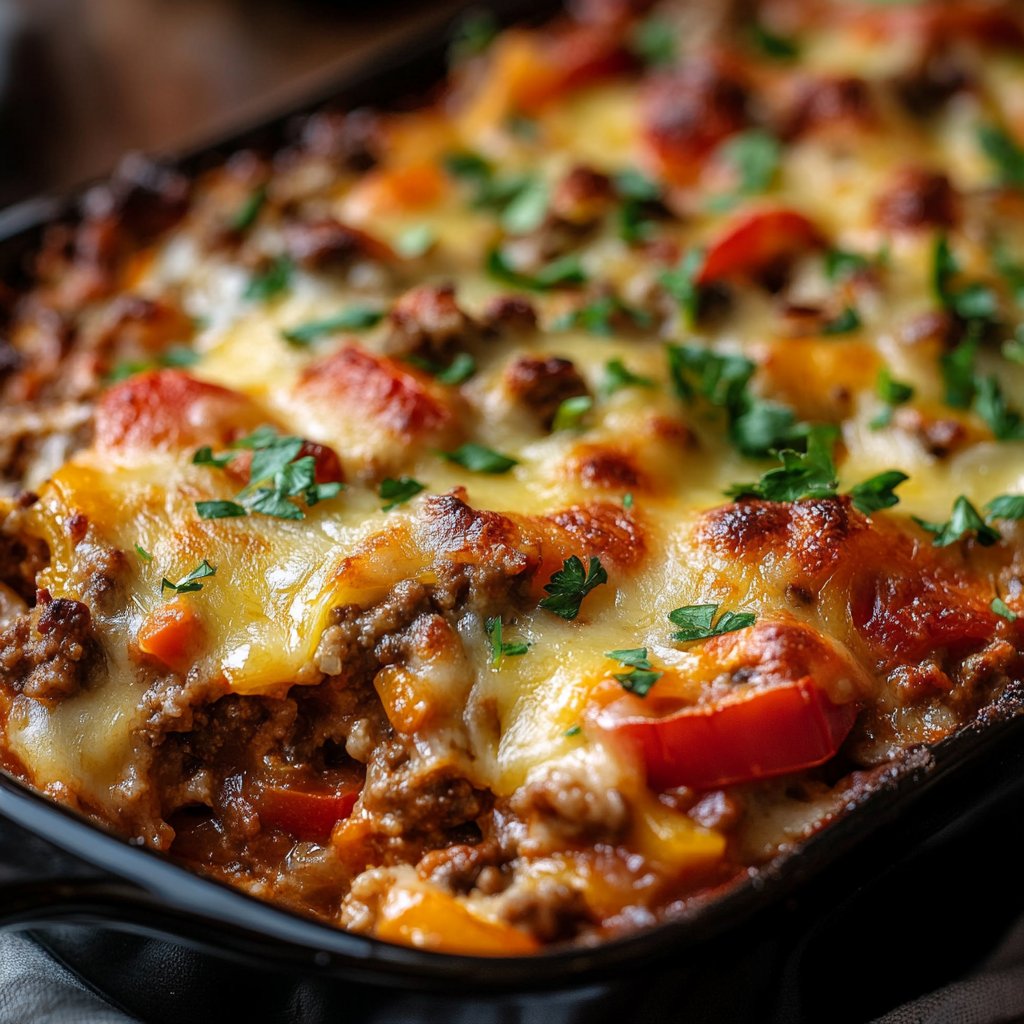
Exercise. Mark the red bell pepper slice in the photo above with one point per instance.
(304, 814)
(756, 241)
(754, 734)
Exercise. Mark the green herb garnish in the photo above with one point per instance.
(596, 316)
(1006, 506)
(570, 412)
(893, 393)
(472, 35)
(641, 676)
(753, 156)
(681, 283)
(964, 520)
(1002, 609)
(571, 584)
(617, 376)
(271, 282)
(479, 459)
(773, 45)
(653, 42)
(143, 553)
(847, 321)
(562, 272)
(499, 648)
(355, 318)
(810, 474)
(395, 492)
(246, 215)
(190, 583)
(415, 241)
(1004, 153)
(697, 622)
(877, 492)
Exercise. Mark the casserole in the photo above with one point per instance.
(864, 790)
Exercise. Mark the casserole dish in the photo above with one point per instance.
(884, 789)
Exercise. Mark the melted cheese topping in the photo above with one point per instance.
(264, 612)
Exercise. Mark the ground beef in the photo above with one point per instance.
(48, 653)
(542, 383)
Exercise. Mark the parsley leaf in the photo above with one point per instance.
(270, 282)
(972, 301)
(479, 459)
(653, 41)
(721, 379)
(841, 264)
(245, 216)
(277, 465)
(1004, 153)
(355, 318)
(811, 474)
(1002, 609)
(178, 356)
(990, 404)
(753, 157)
(893, 393)
(520, 200)
(759, 427)
(528, 207)
(697, 622)
(847, 321)
(499, 648)
(617, 377)
(459, 370)
(641, 677)
(681, 283)
(219, 509)
(772, 44)
(415, 241)
(573, 730)
(964, 520)
(1006, 506)
(571, 584)
(559, 273)
(143, 553)
(571, 411)
(639, 194)
(596, 316)
(877, 492)
(190, 583)
(958, 371)
(396, 492)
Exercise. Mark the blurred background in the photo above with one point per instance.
(83, 81)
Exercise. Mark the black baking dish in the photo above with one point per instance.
(924, 861)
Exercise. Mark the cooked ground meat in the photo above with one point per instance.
(48, 653)
(541, 384)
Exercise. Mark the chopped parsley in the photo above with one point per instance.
(479, 459)
(571, 584)
(1002, 609)
(271, 281)
(499, 648)
(570, 413)
(596, 317)
(190, 583)
(627, 500)
(415, 241)
(278, 475)
(653, 42)
(562, 272)
(877, 492)
(245, 216)
(573, 730)
(990, 404)
(697, 622)
(847, 321)
(641, 676)
(756, 426)
(355, 318)
(753, 158)
(1013, 348)
(971, 301)
(893, 393)
(964, 520)
(840, 264)
(1006, 506)
(395, 492)
(958, 371)
(459, 370)
(810, 474)
(617, 376)
(143, 553)
(1005, 154)
(520, 200)
(773, 45)
(178, 356)
(681, 283)
(639, 195)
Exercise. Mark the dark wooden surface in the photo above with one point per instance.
(83, 81)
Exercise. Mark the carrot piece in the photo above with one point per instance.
(171, 634)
